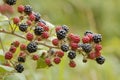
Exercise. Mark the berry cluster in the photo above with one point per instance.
(38, 33)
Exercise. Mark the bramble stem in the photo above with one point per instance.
(3, 31)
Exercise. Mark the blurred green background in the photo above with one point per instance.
(101, 16)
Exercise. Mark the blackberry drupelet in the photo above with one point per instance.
(100, 60)
(86, 47)
(19, 68)
(97, 38)
(88, 32)
(64, 48)
(21, 59)
(37, 16)
(61, 34)
(10, 2)
(23, 27)
(32, 47)
(38, 30)
(28, 9)
(72, 54)
(64, 27)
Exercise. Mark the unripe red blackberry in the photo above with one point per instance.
(98, 47)
(41, 24)
(97, 38)
(38, 30)
(21, 59)
(23, 27)
(58, 28)
(22, 54)
(57, 60)
(29, 23)
(61, 34)
(92, 55)
(16, 20)
(29, 36)
(46, 28)
(22, 47)
(48, 61)
(8, 55)
(64, 27)
(64, 48)
(100, 60)
(59, 53)
(32, 17)
(85, 39)
(12, 49)
(90, 37)
(72, 64)
(32, 47)
(97, 53)
(35, 57)
(19, 68)
(16, 43)
(71, 54)
(21, 8)
(45, 35)
(10, 2)
(55, 42)
(28, 9)
(74, 38)
(74, 46)
(37, 16)
(86, 47)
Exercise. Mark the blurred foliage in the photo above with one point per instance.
(102, 16)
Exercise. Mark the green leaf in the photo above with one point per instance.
(3, 18)
(2, 59)
(4, 69)
(41, 63)
(15, 76)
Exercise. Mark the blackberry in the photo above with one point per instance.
(19, 68)
(21, 59)
(32, 47)
(87, 32)
(64, 48)
(61, 34)
(86, 47)
(23, 27)
(37, 16)
(28, 9)
(64, 27)
(38, 30)
(10, 2)
(97, 38)
(100, 60)
(72, 54)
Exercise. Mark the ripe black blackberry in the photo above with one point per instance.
(61, 34)
(23, 27)
(32, 47)
(86, 47)
(19, 68)
(87, 32)
(37, 16)
(10, 2)
(38, 30)
(64, 27)
(64, 48)
(72, 54)
(28, 9)
(97, 38)
(21, 59)
(100, 60)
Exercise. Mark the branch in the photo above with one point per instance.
(3, 31)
